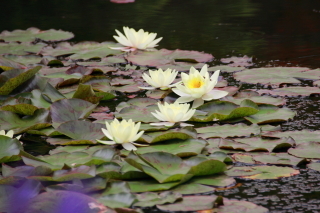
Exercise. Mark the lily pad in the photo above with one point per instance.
(262, 172)
(240, 206)
(25, 59)
(276, 75)
(224, 131)
(223, 110)
(7, 64)
(154, 137)
(83, 50)
(256, 144)
(300, 137)
(314, 166)
(23, 109)
(142, 114)
(192, 188)
(189, 147)
(9, 149)
(70, 109)
(291, 91)
(152, 199)
(217, 181)
(21, 49)
(10, 120)
(224, 68)
(270, 114)
(306, 150)
(13, 83)
(164, 56)
(32, 33)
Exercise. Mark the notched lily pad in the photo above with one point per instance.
(224, 131)
(164, 56)
(32, 33)
(262, 172)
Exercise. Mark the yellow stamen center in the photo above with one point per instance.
(195, 83)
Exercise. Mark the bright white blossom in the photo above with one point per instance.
(173, 113)
(124, 133)
(160, 79)
(198, 87)
(9, 134)
(133, 40)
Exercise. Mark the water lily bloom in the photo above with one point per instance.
(160, 79)
(124, 133)
(198, 87)
(9, 134)
(133, 40)
(173, 113)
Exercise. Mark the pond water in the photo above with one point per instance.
(273, 32)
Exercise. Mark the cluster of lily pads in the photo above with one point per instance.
(64, 94)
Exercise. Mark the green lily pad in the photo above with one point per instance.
(14, 82)
(138, 102)
(24, 59)
(151, 199)
(291, 91)
(10, 120)
(69, 110)
(23, 109)
(191, 203)
(276, 75)
(256, 144)
(154, 137)
(50, 131)
(224, 131)
(262, 172)
(138, 114)
(269, 158)
(83, 50)
(223, 110)
(7, 64)
(163, 57)
(9, 149)
(115, 171)
(270, 114)
(306, 150)
(192, 188)
(21, 49)
(300, 137)
(314, 166)
(189, 147)
(255, 97)
(240, 206)
(32, 33)
(217, 181)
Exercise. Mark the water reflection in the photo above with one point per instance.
(268, 30)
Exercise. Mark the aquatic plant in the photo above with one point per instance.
(160, 79)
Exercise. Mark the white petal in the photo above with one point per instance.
(137, 136)
(129, 146)
(106, 132)
(185, 124)
(107, 142)
(18, 137)
(148, 88)
(185, 99)
(2, 132)
(197, 102)
(204, 70)
(216, 94)
(10, 133)
(179, 92)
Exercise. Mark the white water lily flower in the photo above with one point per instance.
(173, 113)
(160, 79)
(198, 87)
(133, 40)
(124, 133)
(9, 134)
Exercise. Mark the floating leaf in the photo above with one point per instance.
(32, 33)
(70, 109)
(270, 114)
(9, 149)
(256, 144)
(238, 61)
(152, 199)
(291, 91)
(300, 137)
(223, 110)
(25, 59)
(262, 172)
(154, 137)
(23, 109)
(163, 57)
(314, 166)
(21, 49)
(14, 82)
(240, 206)
(276, 75)
(137, 114)
(214, 180)
(7, 64)
(306, 150)
(192, 188)
(189, 147)
(10, 120)
(224, 131)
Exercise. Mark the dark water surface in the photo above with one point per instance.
(276, 32)
(270, 30)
